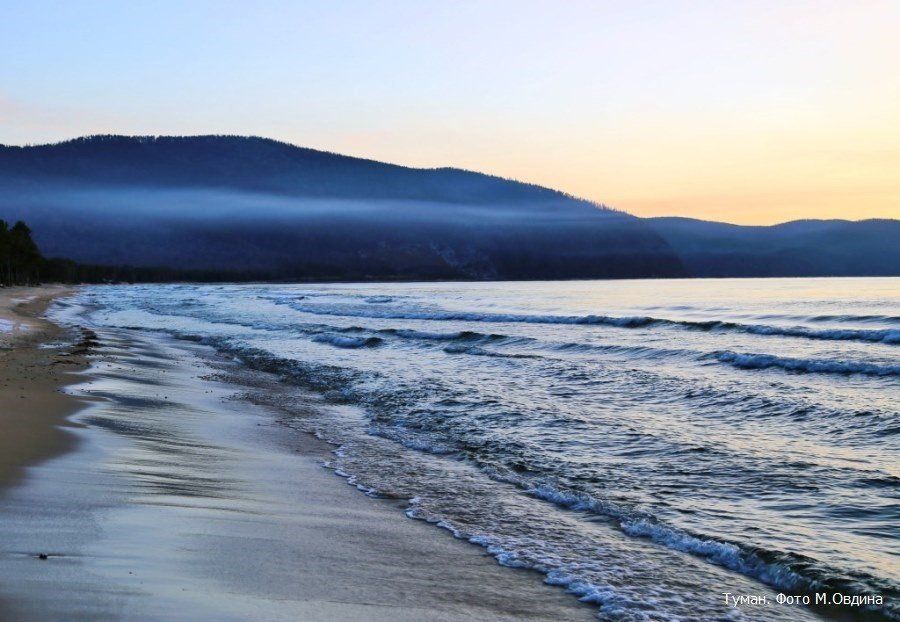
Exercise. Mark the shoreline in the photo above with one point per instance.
(34, 408)
(181, 500)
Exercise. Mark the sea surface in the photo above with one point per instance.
(648, 445)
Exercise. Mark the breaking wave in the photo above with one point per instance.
(766, 361)
(652, 443)
(887, 335)
(343, 341)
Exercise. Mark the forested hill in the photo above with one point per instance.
(797, 248)
(258, 165)
(234, 208)
(257, 208)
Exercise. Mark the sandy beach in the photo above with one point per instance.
(31, 404)
(156, 493)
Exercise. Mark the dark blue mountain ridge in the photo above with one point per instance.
(249, 207)
(796, 248)
(260, 165)
(258, 208)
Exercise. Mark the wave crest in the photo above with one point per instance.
(766, 361)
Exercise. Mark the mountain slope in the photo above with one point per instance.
(798, 248)
(257, 208)
(255, 165)
(251, 207)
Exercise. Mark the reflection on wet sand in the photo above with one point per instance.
(181, 503)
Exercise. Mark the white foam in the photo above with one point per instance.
(724, 554)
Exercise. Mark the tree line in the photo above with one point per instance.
(21, 263)
(20, 259)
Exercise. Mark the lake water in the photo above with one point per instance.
(642, 443)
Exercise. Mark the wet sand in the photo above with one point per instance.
(31, 405)
(179, 500)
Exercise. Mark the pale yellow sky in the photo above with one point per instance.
(750, 112)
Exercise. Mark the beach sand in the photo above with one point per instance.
(31, 404)
(178, 500)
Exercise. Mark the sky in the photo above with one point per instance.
(751, 112)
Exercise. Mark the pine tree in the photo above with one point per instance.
(5, 255)
(20, 259)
